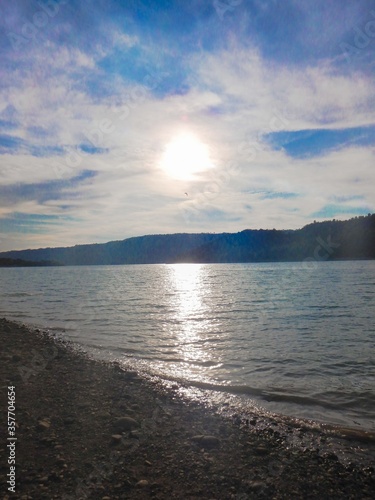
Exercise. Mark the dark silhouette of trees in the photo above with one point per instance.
(335, 240)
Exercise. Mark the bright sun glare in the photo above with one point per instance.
(185, 156)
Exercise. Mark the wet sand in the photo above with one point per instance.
(87, 429)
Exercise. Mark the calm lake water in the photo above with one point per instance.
(296, 339)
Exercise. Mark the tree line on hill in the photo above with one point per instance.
(328, 240)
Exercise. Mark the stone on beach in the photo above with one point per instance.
(261, 450)
(43, 425)
(142, 483)
(116, 438)
(207, 441)
(125, 424)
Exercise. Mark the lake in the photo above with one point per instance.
(292, 338)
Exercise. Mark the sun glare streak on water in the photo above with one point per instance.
(195, 331)
(186, 280)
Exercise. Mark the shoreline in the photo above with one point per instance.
(245, 396)
(89, 429)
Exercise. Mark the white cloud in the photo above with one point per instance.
(313, 97)
(125, 40)
(237, 98)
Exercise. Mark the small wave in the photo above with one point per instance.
(264, 395)
(21, 294)
(63, 329)
(179, 361)
(337, 430)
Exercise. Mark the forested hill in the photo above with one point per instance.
(329, 240)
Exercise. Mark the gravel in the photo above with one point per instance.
(87, 429)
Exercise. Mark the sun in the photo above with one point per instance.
(185, 157)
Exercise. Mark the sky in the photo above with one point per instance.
(125, 118)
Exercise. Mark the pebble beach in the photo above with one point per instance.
(86, 429)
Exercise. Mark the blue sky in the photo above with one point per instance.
(123, 118)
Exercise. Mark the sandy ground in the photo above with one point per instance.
(87, 429)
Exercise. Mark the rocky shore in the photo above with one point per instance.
(90, 430)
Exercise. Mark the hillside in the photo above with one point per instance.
(329, 240)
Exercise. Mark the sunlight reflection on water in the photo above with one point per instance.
(192, 324)
(191, 311)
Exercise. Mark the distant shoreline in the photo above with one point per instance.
(25, 263)
(21, 264)
(353, 239)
